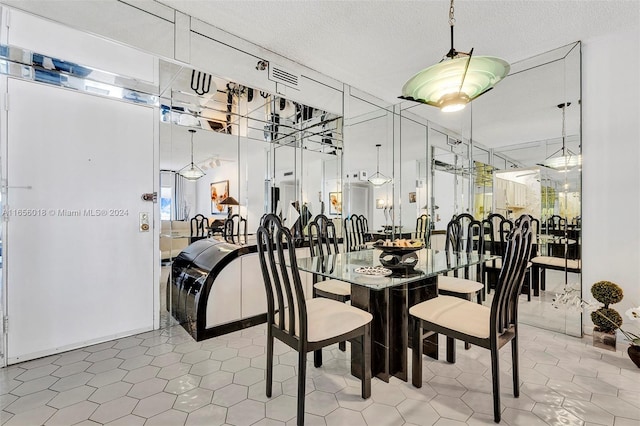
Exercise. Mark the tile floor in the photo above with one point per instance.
(165, 378)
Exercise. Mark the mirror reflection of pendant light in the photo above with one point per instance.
(457, 79)
(191, 171)
(378, 178)
(568, 158)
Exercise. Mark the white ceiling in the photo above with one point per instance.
(377, 45)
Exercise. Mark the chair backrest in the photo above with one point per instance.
(496, 230)
(234, 227)
(322, 236)
(556, 225)
(423, 229)
(535, 231)
(276, 250)
(453, 241)
(364, 222)
(465, 235)
(352, 233)
(198, 224)
(504, 307)
(364, 228)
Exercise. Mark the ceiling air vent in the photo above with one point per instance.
(280, 75)
(453, 141)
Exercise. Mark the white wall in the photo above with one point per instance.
(611, 176)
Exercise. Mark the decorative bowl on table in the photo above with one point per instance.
(399, 257)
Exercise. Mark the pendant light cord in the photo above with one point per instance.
(192, 132)
(378, 161)
(452, 21)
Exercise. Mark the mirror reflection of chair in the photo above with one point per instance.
(199, 228)
(364, 228)
(324, 242)
(556, 225)
(488, 327)
(304, 325)
(353, 233)
(493, 267)
(235, 226)
(423, 229)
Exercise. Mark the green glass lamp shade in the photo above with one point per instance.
(439, 85)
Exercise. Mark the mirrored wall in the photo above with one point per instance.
(514, 151)
(222, 141)
(527, 137)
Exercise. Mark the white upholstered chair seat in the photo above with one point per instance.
(557, 262)
(458, 314)
(341, 288)
(458, 285)
(328, 318)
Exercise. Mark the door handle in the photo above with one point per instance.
(150, 196)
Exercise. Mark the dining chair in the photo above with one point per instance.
(364, 229)
(304, 325)
(556, 225)
(323, 242)
(199, 228)
(234, 227)
(492, 268)
(488, 327)
(423, 229)
(464, 287)
(352, 231)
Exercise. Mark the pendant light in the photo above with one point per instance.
(378, 179)
(568, 158)
(191, 171)
(457, 79)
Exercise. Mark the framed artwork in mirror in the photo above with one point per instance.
(219, 191)
(335, 203)
(412, 197)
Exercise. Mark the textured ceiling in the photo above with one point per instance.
(377, 45)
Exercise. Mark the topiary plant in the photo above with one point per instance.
(606, 319)
(607, 293)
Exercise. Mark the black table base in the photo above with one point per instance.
(390, 327)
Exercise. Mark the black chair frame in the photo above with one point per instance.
(503, 322)
(285, 294)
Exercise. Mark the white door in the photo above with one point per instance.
(79, 270)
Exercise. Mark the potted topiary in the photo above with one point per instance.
(605, 319)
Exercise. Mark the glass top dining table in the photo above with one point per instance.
(343, 266)
(388, 299)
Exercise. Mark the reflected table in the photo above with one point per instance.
(388, 299)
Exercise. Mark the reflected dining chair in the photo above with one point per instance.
(488, 327)
(492, 268)
(199, 228)
(423, 229)
(323, 242)
(304, 325)
(234, 227)
(353, 233)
